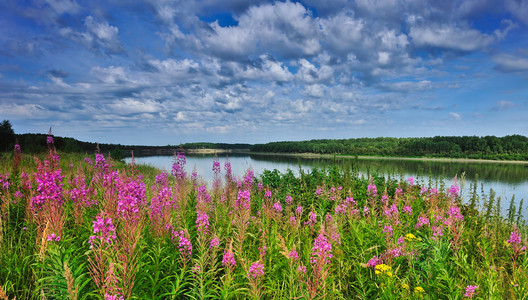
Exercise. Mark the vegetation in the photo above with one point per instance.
(93, 228)
(512, 147)
(36, 143)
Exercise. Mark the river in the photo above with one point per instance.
(505, 179)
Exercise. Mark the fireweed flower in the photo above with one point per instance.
(340, 209)
(243, 200)
(183, 243)
(228, 260)
(515, 238)
(301, 269)
(407, 209)
(53, 237)
(202, 223)
(366, 210)
(293, 255)
(372, 190)
(288, 200)
(322, 250)
(388, 229)
(256, 270)
(299, 210)
(453, 191)
(267, 194)
(214, 243)
(410, 180)
(312, 219)
(277, 206)
(103, 229)
(422, 221)
(374, 262)
(470, 290)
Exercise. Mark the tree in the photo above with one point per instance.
(7, 136)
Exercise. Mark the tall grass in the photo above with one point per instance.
(76, 227)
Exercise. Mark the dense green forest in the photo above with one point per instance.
(36, 143)
(511, 147)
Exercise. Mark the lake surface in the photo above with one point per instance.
(504, 178)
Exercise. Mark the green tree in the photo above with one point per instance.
(7, 136)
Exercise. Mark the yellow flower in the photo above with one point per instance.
(405, 286)
(409, 237)
(389, 274)
(419, 289)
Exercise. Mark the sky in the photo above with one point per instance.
(164, 72)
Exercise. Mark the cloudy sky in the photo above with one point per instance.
(158, 72)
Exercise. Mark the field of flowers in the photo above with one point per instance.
(92, 228)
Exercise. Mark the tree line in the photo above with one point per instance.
(511, 147)
(36, 143)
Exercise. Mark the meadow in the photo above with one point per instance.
(74, 227)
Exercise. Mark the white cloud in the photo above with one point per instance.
(503, 105)
(511, 63)
(455, 115)
(450, 37)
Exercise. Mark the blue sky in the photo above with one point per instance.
(158, 72)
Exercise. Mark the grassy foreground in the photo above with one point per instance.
(91, 228)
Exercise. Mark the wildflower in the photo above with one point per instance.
(277, 206)
(382, 268)
(267, 194)
(407, 209)
(202, 222)
(104, 230)
(288, 200)
(318, 191)
(388, 229)
(53, 237)
(228, 260)
(366, 211)
(113, 297)
(470, 290)
(422, 221)
(453, 191)
(294, 255)
(312, 218)
(374, 262)
(340, 209)
(256, 270)
(515, 238)
(454, 212)
(301, 269)
(214, 243)
(405, 286)
(372, 190)
(419, 289)
(299, 210)
(322, 250)
(410, 180)
(411, 237)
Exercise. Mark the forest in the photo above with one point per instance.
(511, 147)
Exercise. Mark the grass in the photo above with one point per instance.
(76, 228)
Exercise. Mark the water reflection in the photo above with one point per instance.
(504, 178)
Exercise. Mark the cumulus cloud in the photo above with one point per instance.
(98, 36)
(511, 63)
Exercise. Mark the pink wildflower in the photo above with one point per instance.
(256, 270)
(470, 290)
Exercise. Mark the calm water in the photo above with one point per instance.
(505, 179)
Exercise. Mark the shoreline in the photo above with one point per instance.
(364, 157)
